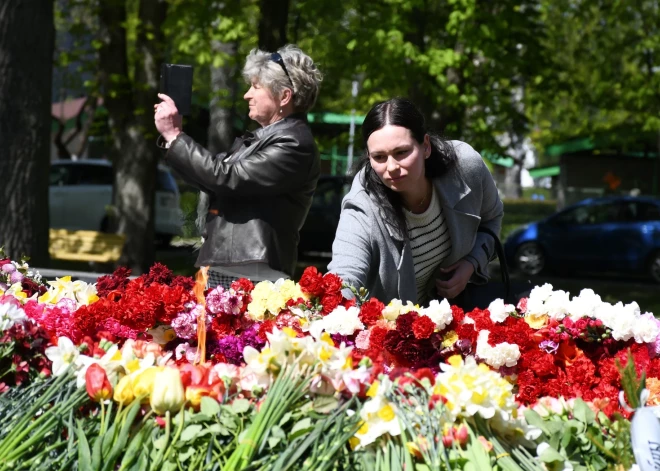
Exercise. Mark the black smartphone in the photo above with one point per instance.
(176, 82)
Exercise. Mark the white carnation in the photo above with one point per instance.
(340, 321)
(541, 293)
(499, 312)
(585, 304)
(502, 354)
(557, 306)
(646, 329)
(622, 320)
(11, 313)
(438, 312)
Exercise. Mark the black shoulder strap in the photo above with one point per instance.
(504, 269)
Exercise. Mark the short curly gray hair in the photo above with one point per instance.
(305, 76)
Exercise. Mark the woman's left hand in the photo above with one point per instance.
(462, 271)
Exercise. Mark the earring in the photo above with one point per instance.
(280, 110)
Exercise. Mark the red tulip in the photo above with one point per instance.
(97, 384)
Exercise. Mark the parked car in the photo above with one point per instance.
(318, 232)
(610, 234)
(81, 191)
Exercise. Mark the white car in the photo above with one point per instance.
(81, 191)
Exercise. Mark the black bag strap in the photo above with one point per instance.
(504, 269)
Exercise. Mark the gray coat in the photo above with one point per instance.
(369, 252)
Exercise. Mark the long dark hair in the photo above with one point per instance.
(404, 113)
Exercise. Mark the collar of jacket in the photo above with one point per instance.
(276, 126)
(451, 188)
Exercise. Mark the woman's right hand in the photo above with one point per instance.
(169, 122)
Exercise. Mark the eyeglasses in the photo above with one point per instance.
(277, 58)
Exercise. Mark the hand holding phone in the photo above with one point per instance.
(167, 118)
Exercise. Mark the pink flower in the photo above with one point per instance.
(362, 340)
(214, 302)
(185, 324)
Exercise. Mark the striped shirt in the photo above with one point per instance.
(430, 243)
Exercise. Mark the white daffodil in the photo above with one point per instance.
(109, 361)
(472, 388)
(63, 355)
(82, 293)
(85, 293)
(378, 415)
(16, 290)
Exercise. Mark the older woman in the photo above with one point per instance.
(261, 189)
(409, 227)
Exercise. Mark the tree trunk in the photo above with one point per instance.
(512, 187)
(224, 91)
(273, 22)
(130, 117)
(27, 37)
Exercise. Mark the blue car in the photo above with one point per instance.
(610, 234)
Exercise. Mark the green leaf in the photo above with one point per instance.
(169, 466)
(190, 432)
(160, 442)
(209, 406)
(182, 456)
(300, 428)
(534, 419)
(583, 412)
(84, 455)
(285, 419)
(240, 406)
(550, 455)
(325, 404)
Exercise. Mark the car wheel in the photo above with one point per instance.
(530, 258)
(654, 267)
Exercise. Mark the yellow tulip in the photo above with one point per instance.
(168, 393)
(124, 391)
(143, 382)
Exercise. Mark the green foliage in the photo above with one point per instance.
(632, 384)
(602, 74)
(585, 439)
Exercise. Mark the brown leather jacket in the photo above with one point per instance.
(260, 193)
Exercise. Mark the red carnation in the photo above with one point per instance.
(371, 311)
(404, 323)
(423, 327)
(376, 342)
(185, 282)
(348, 303)
(117, 281)
(330, 301)
(544, 364)
(311, 282)
(158, 273)
(331, 283)
(425, 373)
(223, 326)
(266, 327)
(457, 314)
(242, 284)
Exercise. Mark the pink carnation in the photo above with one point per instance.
(362, 340)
